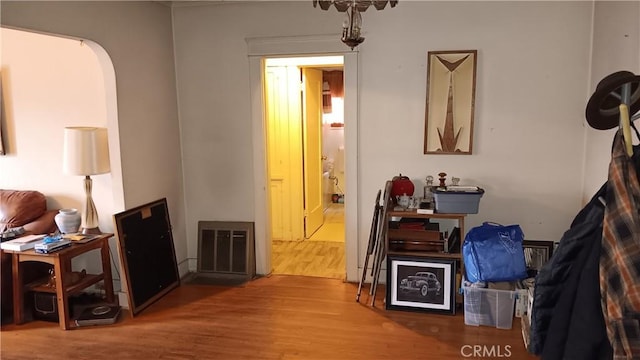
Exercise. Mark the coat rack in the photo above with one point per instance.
(616, 97)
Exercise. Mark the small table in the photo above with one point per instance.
(61, 261)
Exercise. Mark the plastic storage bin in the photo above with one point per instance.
(457, 202)
(489, 307)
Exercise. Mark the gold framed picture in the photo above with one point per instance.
(451, 88)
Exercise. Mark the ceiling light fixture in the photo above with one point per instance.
(352, 26)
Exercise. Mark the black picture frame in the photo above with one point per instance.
(537, 253)
(147, 251)
(425, 284)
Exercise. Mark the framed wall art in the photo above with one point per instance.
(421, 284)
(451, 87)
(536, 254)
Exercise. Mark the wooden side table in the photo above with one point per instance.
(399, 234)
(61, 261)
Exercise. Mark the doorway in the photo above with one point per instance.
(304, 143)
(258, 49)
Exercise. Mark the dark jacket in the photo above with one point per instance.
(567, 320)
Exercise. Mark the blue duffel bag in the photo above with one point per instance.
(493, 252)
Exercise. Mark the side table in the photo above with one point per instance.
(61, 261)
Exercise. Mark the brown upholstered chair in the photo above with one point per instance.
(27, 209)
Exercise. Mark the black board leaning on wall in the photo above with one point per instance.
(147, 253)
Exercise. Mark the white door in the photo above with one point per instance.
(312, 149)
(284, 151)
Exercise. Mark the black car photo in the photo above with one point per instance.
(425, 283)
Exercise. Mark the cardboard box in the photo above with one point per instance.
(502, 285)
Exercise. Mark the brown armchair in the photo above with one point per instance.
(27, 209)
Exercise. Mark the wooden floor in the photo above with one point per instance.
(333, 227)
(309, 258)
(323, 255)
(277, 317)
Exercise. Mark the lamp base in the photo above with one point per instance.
(91, 231)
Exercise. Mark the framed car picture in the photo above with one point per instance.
(421, 284)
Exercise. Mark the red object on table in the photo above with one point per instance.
(401, 185)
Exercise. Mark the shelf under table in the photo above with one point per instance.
(41, 284)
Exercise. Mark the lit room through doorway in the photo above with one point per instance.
(306, 177)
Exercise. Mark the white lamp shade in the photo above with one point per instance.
(86, 151)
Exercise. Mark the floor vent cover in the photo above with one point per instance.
(226, 248)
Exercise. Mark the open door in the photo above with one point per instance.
(312, 150)
(284, 151)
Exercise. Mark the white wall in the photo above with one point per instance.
(528, 146)
(616, 46)
(533, 69)
(333, 145)
(138, 38)
(333, 149)
(50, 83)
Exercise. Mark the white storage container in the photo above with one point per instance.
(489, 307)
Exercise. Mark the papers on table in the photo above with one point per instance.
(81, 238)
(22, 243)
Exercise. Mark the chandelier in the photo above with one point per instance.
(352, 25)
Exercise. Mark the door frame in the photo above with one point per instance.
(257, 50)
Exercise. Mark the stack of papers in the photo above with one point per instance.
(81, 238)
(22, 243)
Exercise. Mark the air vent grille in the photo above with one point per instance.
(226, 247)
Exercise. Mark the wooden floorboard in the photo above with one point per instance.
(322, 255)
(309, 258)
(276, 317)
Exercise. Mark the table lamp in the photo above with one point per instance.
(86, 152)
